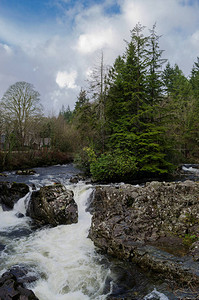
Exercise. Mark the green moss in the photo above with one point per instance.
(189, 239)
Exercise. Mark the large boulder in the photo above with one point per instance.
(53, 205)
(11, 192)
(130, 222)
(10, 288)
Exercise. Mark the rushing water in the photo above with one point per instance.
(62, 259)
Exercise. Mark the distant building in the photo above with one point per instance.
(39, 143)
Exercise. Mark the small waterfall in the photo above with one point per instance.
(9, 219)
(64, 255)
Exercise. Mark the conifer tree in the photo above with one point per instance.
(180, 111)
(134, 92)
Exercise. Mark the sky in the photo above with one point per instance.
(55, 44)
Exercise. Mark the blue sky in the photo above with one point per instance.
(54, 44)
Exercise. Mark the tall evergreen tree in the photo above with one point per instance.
(135, 90)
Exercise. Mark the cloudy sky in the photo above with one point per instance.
(54, 44)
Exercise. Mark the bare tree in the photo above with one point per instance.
(21, 108)
(98, 88)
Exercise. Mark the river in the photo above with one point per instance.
(63, 262)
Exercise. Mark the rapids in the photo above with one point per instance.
(63, 260)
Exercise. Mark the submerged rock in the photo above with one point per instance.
(25, 172)
(10, 193)
(53, 205)
(131, 222)
(10, 288)
(24, 274)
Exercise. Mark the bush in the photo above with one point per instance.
(113, 166)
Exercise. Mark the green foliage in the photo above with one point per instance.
(132, 108)
(66, 113)
(113, 166)
(189, 239)
(181, 113)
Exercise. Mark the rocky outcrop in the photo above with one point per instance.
(10, 193)
(130, 222)
(10, 288)
(53, 205)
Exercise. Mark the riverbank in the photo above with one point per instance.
(32, 158)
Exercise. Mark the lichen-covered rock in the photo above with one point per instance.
(10, 193)
(10, 288)
(53, 205)
(127, 218)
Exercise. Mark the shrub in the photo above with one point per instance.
(113, 166)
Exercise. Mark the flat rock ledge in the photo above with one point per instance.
(155, 226)
(53, 205)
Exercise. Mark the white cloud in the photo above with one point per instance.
(40, 55)
(66, 80)
(7, 49)
(90, 42)
(195, 38)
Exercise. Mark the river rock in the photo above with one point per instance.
(130, 222)
(26, 172)
(10, 193)
(53, 205)
(3, 175)
(10, 288)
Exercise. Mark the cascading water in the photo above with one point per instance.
(64, 254)
(62, 259)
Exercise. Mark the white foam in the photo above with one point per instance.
(156, 294)
(191, 170)
(9, 219)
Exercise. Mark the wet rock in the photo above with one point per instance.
(19, 215)
(25, 172)
(74, 179)
(53, 205)
(10, 193)
(3, 175)
(129, 220)
(10, 288)
(24, 274)
(78, 178)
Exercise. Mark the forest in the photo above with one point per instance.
(135, 119)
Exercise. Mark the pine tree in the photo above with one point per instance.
(134, 92)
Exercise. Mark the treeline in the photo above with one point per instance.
(137, 118)
(141, 116)
(27, 137)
